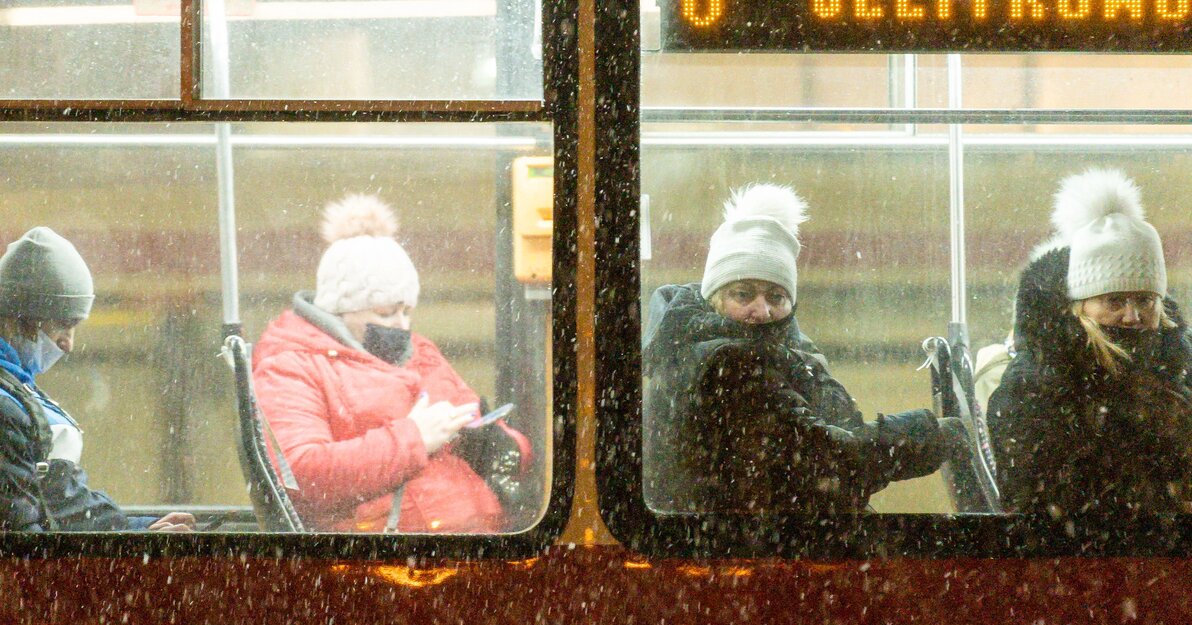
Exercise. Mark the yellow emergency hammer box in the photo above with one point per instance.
(533, 217)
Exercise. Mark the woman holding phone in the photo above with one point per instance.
(365, 410)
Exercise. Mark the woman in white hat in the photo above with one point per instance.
(365, 410)
(740, 412)
(1094, 414)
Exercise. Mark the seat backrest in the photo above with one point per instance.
(969, 471)
(266, 489)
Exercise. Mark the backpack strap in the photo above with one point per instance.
(43, 439)
(395, 509)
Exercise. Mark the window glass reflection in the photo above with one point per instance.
(69, 49)
(377, 49)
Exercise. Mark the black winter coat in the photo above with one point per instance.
(746, 418)
(1072, 439)
(62, 492)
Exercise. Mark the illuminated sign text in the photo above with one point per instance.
(928, 25)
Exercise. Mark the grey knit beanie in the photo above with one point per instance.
(42, 276)
(1099, 215)
(759, 239)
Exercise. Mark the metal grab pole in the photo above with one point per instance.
(957, 330)
(978, 480)
(215, 17)
(228, 269)
(903, 86)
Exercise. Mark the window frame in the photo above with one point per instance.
(558, 107)
(619, 368)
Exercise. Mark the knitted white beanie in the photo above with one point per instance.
(759, 239)
(364, 267)
(1099, 214)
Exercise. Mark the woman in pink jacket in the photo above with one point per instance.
(364, 410)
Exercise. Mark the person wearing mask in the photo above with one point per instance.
(1093, 416)
(45, 292)
(366, 411)
(741, 414)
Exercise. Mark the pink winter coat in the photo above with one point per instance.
(340, 418)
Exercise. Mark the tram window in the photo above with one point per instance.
(466, 49)
(873, 273)
(88, 49)
(140, 202)
(916, 229)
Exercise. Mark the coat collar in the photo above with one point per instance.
(304, 307)
(679, 316)
(12, 363)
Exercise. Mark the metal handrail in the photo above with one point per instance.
(863, 115)
(822, 139)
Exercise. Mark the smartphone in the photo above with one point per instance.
(215, 524)
(500, 412)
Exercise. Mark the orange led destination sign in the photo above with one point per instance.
(928, 25)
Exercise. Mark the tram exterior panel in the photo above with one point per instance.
(866, 136)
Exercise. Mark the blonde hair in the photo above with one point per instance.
(1109, 354)
(716, 300)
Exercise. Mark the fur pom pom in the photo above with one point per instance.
(767, 200)
(1087, 197)
(358, 215)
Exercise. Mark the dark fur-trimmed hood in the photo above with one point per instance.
(1044, 326)
(679, 318)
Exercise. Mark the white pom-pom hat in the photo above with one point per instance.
(759, 239)
(1099, 215)
(364, 267)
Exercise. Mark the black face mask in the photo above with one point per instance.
(389, 344)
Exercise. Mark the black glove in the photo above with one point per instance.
(913, 442)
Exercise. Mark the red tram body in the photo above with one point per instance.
(601, 584)
(597, 553)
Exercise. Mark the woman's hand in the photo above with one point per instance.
(441, 421)
(174, 522)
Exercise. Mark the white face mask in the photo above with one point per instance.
(38, 356)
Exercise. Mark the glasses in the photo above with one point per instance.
(1139, 301)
